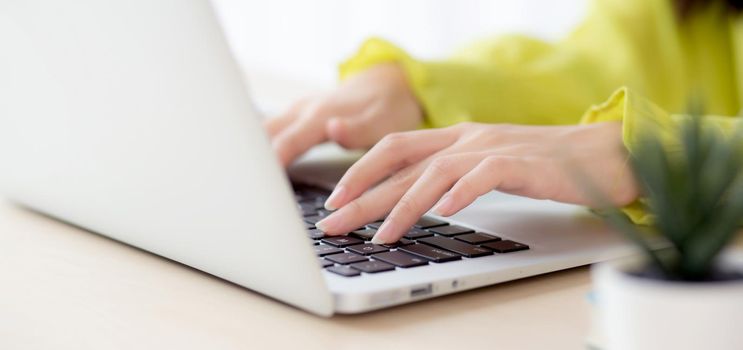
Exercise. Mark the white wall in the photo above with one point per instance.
(307, 39)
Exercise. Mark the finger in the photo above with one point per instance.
(373, 205)
(354, 132)
(438, 178)
(502, 173)
(393, 152)
(307, 131)
(377, 202)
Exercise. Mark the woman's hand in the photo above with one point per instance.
(357, 114)
(407, 173)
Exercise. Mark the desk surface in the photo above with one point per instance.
(63, 287)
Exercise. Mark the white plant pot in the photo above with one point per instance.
(636, 313)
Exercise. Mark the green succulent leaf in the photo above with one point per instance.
(695, 194)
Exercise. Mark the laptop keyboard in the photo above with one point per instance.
(430, 240)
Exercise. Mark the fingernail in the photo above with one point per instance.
(444, 206)
(335, 197)
(384, 232)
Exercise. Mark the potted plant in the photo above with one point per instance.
(685, 290)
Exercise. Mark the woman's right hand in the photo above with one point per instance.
(356, 114)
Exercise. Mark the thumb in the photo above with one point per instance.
(351, 132)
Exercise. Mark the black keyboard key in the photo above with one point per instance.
(344, 270)
(431, 253)
(309, 226)
(323, 250)
(416, 233)
(375, 225)
(346, 258)
(451, 230)
(313, 219)
(367, 249)
(365, 234)
(308, 194)
(301, 196)
(316, 234)
(323, 212)
(477, 238)
(506, 246)
(458, 247)
(373, 266)
(307, 210)
(401, 242)
(304, 190)
(426, 222)
(326, 263)
(401, 259)
(313, 202)
(342, 241)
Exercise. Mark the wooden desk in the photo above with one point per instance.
(63, 287)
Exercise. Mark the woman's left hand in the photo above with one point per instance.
(406, 174)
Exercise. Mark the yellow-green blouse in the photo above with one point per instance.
(631, 60)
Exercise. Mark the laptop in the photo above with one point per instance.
(131, 118)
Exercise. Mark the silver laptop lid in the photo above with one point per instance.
(130, 118)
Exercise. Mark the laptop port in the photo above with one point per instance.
(420, 291)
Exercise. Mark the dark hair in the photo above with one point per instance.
(688, 7)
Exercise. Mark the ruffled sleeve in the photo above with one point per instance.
(494, 81)
(519, 79)
(641, 117)
(637, 114)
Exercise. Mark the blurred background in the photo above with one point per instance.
(302, 42)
